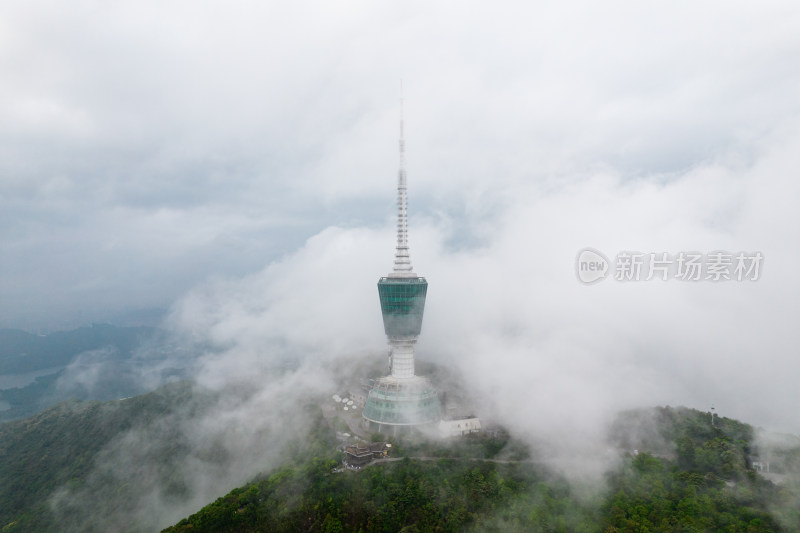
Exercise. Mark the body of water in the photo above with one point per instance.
(13, 381)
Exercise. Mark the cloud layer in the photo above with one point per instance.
(146, 148)
(542, 351)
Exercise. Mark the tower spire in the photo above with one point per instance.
(402, 260)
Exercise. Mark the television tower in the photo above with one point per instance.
(402, 399)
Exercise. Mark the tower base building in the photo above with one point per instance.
(394, 405)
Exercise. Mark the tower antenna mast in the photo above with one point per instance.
(402, 259)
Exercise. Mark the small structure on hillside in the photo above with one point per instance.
(758, 465)
(364, 452)
(459, 426)
(358, 396)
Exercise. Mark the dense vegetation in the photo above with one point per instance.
(58, 449)
(704, 486)
(685, 475)
(408, 495)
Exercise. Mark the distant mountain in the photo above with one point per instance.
(35, 369)
(22, 352)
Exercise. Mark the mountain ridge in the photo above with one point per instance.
(52, 465)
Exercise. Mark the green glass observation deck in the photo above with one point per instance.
(402, 305)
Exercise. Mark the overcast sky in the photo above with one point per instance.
(236, 162)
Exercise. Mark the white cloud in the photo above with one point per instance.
(553, 359)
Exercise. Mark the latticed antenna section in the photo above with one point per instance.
(402, 259)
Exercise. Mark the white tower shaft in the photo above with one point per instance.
(402, 353)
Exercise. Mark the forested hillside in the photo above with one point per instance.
(59, 449)
(685, 475)
(705, 485)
